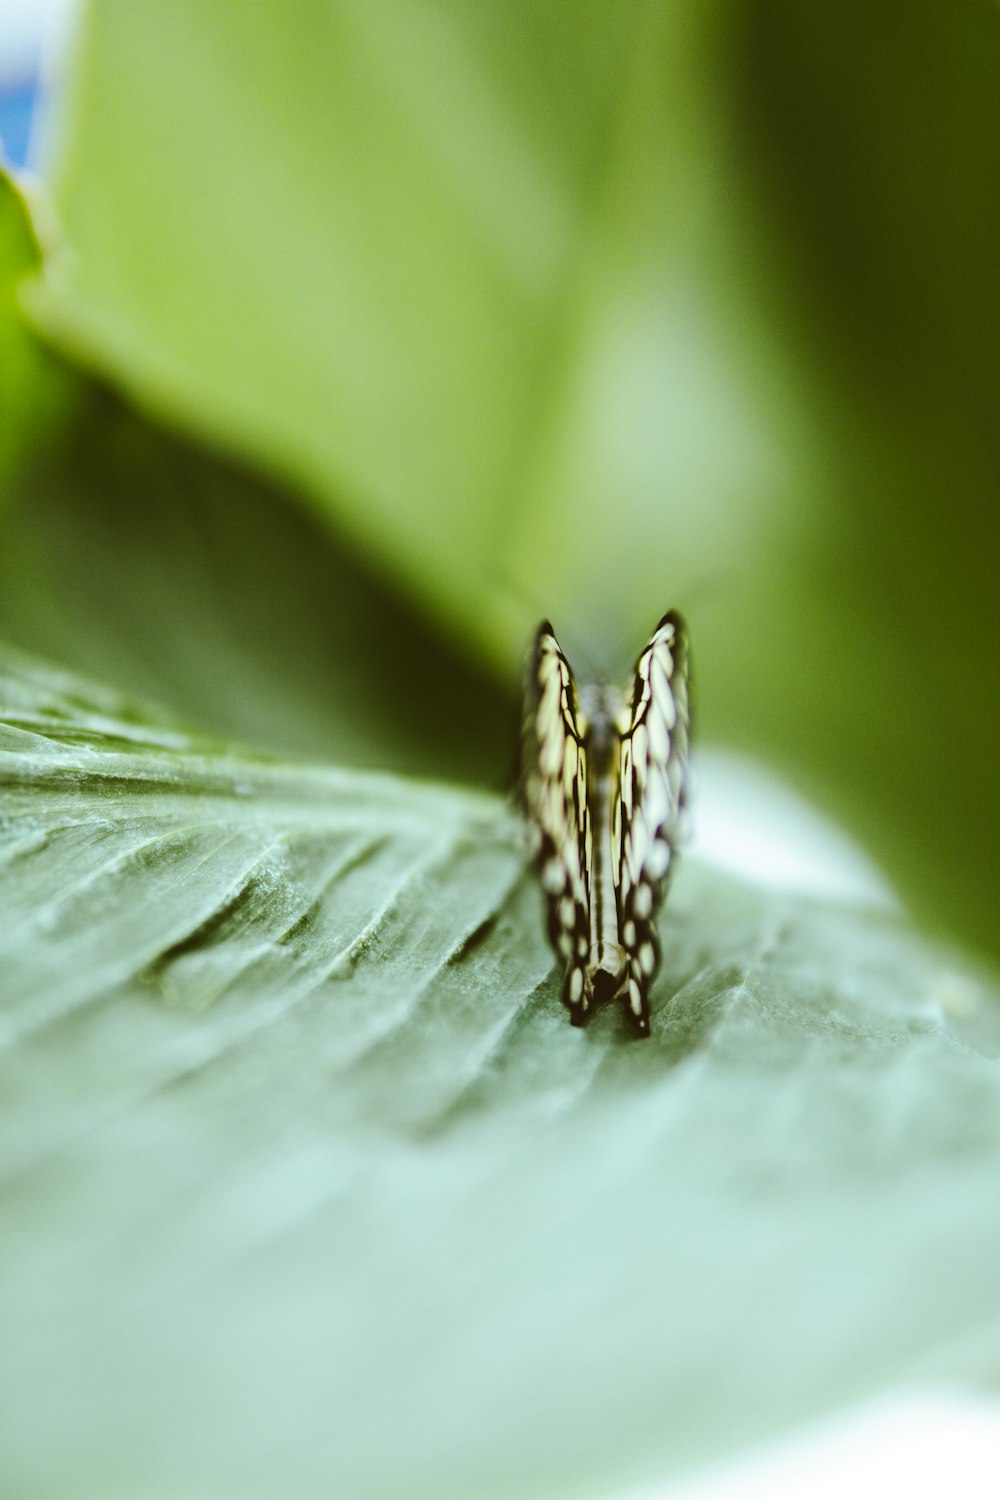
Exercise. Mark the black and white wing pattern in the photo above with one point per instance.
(554, 792)
(647, 816)
(604, 787)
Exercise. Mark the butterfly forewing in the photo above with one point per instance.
(647, 825)
(555, 795)
(622, 864)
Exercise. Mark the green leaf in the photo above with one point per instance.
(33, 388)
(468, 285)
(145, 560)
(141, 559)
(310, 1188)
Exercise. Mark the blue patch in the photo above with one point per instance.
(17, 111)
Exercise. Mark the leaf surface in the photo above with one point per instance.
(309, 1186)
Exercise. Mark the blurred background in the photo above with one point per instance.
(357, 336)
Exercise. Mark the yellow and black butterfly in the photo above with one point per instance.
(604, 786)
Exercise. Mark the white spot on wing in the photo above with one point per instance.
(642, 905)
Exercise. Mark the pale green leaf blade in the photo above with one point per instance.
(405, 191)
(309, 1187)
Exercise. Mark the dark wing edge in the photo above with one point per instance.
(553, 794)
(649, 811)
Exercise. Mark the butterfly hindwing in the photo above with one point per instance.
(555, 794)
(647, 822)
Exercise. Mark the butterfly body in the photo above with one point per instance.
(604, 788)
(599, 710)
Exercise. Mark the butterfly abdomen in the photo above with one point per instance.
(606, 957)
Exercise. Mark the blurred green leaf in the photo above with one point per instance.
(310, 1188)
(470, 277)
(153, 564)
(350, 248)
(870, 155)
(589, 311)
(32, 387)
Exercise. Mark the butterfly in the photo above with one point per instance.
(604, 786)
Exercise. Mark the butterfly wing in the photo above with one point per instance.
(554, 791)
(648, 813)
